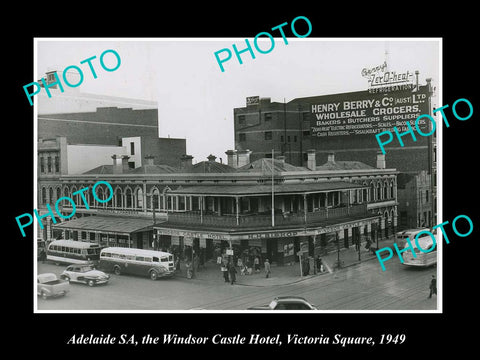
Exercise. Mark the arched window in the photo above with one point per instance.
(390, 188)
(44, 196)
(156, 198)
(372, 191)
(59, 193)
(118, 197)
(139, 198)
(379, 192)
(50, 193)
(385, 190)
(100, 195)
(128, 198)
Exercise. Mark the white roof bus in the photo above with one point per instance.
(401, 236)
(423, 259)
(73, 252)
(133, 261)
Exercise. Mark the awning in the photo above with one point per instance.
(265, 189)
(107, 224)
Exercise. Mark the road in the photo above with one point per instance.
(358, 287)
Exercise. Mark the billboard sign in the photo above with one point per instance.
(364, 113)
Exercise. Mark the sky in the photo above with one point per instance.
(196, 99)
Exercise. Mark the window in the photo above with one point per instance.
(44, 196)
(268, 116)
(139, 198)
(156, 259)
(57, 164)
(242, 137)
(132, 148)
(288, 138)
(140, 258)
(49, 164)
(281, 138)
(295, 138)
(241, 119)
(42, 164)
(268, 135)
(306, 133)
(426, 195)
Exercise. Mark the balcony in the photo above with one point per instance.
(251, 220)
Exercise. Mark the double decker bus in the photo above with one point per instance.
(73, 252)
(154, 264)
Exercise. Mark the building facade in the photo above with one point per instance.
(267, 207)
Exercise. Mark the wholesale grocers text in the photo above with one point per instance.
(47, 86)
(59, 201)
(228, 56)
(432, 120)
(409, 246)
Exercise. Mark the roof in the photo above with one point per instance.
(344, 165)
(78, 244)
(209, 167)
(265, 165)
(153, 169)
(135, 251)
(112, 224)
(262, 189)
(102, 169)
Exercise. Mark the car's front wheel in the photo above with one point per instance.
(153, 275)
(117, 270)
(44, 295)
(91, 282)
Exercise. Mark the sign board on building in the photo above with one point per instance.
(229, 251)
(253, 100)
(366, 113)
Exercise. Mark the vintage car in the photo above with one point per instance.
(48, 285)
(286, 303)
(85, 274)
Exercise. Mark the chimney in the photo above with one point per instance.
(331, 157)
(232, 158)
(211, 158)
(311, 160)
(186, 161)
(125, 167)
(120, 164)
(243, 157)
(149, 159)
(381, 163)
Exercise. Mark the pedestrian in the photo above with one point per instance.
(433, 286)
(267, 268)
(224, 270)
(256, 263)
(319, 264)
(188, 267)
(233, 271)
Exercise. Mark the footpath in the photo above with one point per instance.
(288, 274)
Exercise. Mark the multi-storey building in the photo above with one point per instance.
(267, 205)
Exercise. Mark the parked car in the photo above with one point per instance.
(286, 303)
(48, 285)
(85, 274)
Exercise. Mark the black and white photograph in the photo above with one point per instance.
(259, 183)
(286, 182)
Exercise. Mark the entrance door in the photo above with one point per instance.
(345, 238)
(271, 250)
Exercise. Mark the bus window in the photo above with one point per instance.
(130, 257)
(140, 258)
(156, 259)
(164, 259)
(148, 259)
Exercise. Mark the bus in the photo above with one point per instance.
(423, 259)
(401, 236)
(73, 252)
(133, 261)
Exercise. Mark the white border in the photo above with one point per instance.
(439, 157)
